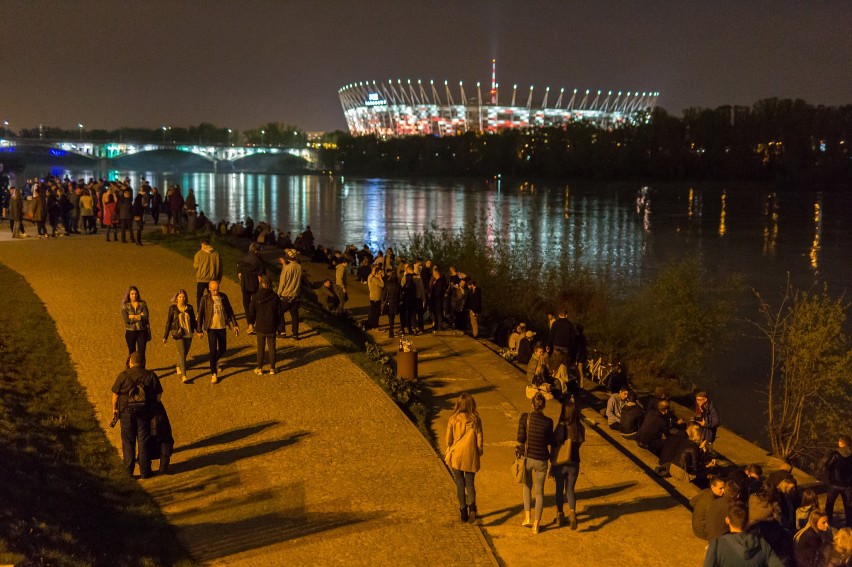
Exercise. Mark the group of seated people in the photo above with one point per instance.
(686, 447)
(744, 515)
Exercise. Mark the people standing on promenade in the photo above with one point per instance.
(565, 461)
(180, 325)
(191, 210)
(134, 410)
(701, 504)
(308, 240)
(125, 216)
(249, 270)
(176, 207)
(535, 433)
(290, 291)
(391, 298)
(708, 418)
(208, 268)
(155, 205)
(375, 285)
(739, 548)
(465, 446)
(110, 218)
(140, 206)
(340, 284)
(458, 304)
(87, 212)
(16, 212)
(215, 316)
(437, 291)
(134, 311)
(409, 300)
(263, 315)
(474, 307)
(39, 211)
(838, 470)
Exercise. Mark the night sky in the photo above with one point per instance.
(242, 63)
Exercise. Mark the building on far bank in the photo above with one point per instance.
(416, 107)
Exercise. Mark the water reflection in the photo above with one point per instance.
(770, 229)
(724, 214)
(816, 244)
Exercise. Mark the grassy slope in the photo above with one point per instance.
(65, 498)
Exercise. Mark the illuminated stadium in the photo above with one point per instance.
(418, 107)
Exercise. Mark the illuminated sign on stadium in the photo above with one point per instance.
(373, 99)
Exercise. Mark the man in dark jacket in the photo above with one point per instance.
(436, 292)
(125, 216)
(474, 306)
(140, 206)
(249, 270)
(838, 469)
(562, 336)
(655, 428)
(264, 315)
(134, 413)
(214, 317)
(701, 503)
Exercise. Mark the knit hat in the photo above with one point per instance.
(291, 253)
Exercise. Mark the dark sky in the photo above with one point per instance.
(241, 63)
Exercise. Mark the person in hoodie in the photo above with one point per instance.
(208, 268)
(249, 269)
(264, 315)
(737, 548)
(838, 468)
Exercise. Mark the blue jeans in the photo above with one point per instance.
(534, 485)
(464, 480)
(566, 479)
(183, 346)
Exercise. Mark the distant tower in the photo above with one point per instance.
(494, 82)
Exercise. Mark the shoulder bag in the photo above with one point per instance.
(563, 454)
(519, 466)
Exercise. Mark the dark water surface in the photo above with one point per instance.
(755, 230)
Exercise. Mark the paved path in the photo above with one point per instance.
(625, 516)
(313, 466)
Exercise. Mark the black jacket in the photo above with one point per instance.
(205, 311)
(631, 419)
(654, 427)
(839, 469)
(250, 269)
(562, 334)
(137, 375)
(264, 311)
(172, 323)
(437, 290)
(474, 300)
(391, 296)
(540, 435)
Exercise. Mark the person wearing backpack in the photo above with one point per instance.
(134, 395)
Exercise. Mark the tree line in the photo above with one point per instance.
(773, 139)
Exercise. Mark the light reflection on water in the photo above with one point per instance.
(757, 231)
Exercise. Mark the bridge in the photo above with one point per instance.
(216, 154)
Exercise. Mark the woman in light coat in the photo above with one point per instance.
(464, 448)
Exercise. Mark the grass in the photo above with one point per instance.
(65, 498)
(342, 333)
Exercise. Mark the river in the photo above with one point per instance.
(756, 230)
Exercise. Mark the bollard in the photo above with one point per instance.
(406, 364)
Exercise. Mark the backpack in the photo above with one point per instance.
(137, 398)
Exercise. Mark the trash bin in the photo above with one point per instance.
(406, 364)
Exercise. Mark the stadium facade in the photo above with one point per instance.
(404, 108)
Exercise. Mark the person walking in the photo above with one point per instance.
(134, 409)
(180, 325)
(464, 448)
(838, 471)
(134, 311)
(215, 316)
(249, 270)
(16, 211)
(290, 291)
(568, 436)
(535, 433)
(264, 314)
(208, 268)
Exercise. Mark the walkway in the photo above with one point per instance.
(625, 516)
(313, 466)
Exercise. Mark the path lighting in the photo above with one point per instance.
(80, 126)
(164, 128)
(5, 128)
(229, 136)
(262, 134)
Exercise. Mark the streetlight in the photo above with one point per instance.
(229, 136)
(5, 128)
(262, 134)
(80, 126)
(164, 128)
(295, 133)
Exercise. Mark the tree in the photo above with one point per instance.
(809, 389)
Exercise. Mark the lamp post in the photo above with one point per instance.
(5, 128)
(295, 133)
(229, 136)
(262, 135)
(164, 128)
(80, 126)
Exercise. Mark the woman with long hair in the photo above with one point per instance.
(134, 311)
(565, 461)
(535, 432)
(810, 539)
(464, 448)
(839, 554)
(180, 325)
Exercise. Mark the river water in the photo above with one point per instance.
(758, 231)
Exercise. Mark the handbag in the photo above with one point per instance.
(519, 466)
(563, 455)
(179, 333)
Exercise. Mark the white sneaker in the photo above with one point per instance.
(214, 379)
(271, 371)
(177, 369)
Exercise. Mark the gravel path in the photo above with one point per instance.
(313, 466)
